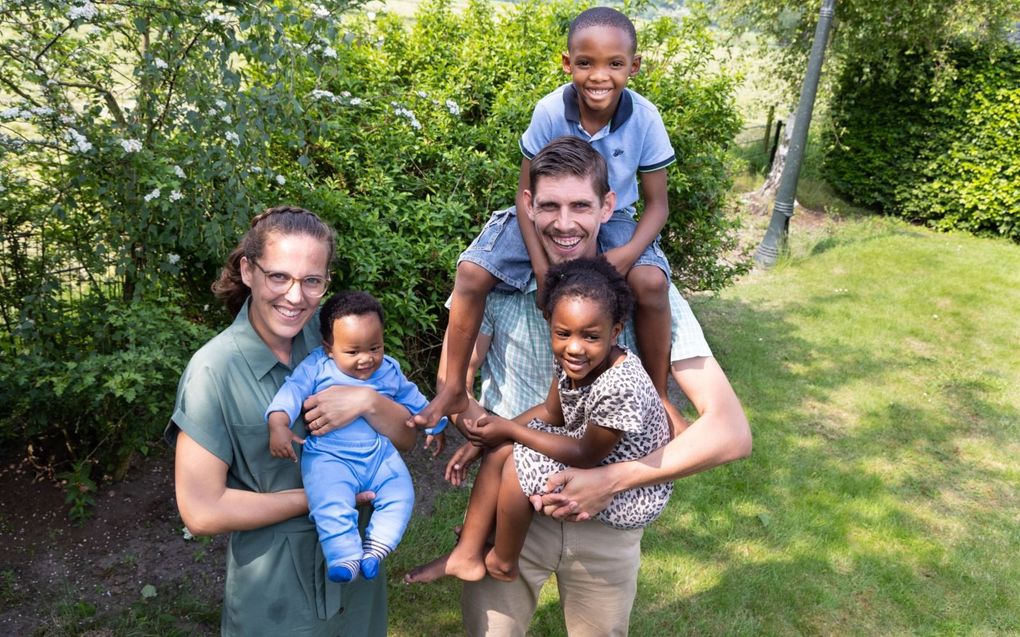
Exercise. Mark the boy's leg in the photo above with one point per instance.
(470, 288)
(330, 487)
(393, 503)
(466, 561)
(653, 330)
(513, 517)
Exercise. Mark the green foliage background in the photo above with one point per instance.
(946, 155)
(195, 115)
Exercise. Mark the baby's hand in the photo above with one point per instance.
(440, 441)
(280, 443)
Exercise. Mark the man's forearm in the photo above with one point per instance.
(710, 441)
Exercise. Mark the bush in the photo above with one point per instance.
(92, 383)
(946, 155)
(403, 135)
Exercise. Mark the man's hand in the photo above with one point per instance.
(489, 430)
(576, 494)
(457, 467)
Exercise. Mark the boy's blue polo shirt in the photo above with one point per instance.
(635, 140)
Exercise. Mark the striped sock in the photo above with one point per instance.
(374, 552)
(343, 571)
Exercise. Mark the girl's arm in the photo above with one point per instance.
(584, 452)
(208, 506)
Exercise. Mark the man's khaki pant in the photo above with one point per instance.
(596, 570)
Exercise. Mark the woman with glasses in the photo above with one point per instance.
(227, 481)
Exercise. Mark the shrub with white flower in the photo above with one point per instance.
(79, 143)
(232, 137)
(153, 194)
(453, 108)
(175, 195)
(83, 11)
(131, 145)
(179, 172)
(159, 63)
(280, 179)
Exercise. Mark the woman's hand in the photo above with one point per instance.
(335, 407)
(489, 430)
(457, 467)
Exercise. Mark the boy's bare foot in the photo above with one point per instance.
(467, 569)
(500, 569)
(446, 403)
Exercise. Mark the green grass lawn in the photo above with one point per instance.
(879, 368)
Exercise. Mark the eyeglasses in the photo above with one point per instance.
(281, 283)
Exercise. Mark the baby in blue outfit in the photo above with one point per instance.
(337, 466)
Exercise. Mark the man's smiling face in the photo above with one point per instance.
(568, 214)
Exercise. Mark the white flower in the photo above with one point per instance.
(355, 101)
(370, 15)
(131, 145)
(173, 259)
(320, 11)
(226, 119)
(79, 143)
(280, 180)
(423, 95)
(159, 63)
(320, 94)
(232, 137)
(42, 111)
(255, 169)
(345, 93)
(407, 114)
(152, 195)
(67, 120)
(453, 108)
(221, 104)
(179, 171)
(175, 195)
(10, 113)
(85, 11)
(216, 17)
(329, 52)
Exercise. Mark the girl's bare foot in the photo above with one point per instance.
(500, 569)
(452, 564)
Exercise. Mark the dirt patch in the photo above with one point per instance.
(52, 571)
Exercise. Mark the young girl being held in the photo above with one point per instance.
(602, 408)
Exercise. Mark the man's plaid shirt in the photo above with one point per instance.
(518, 368)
